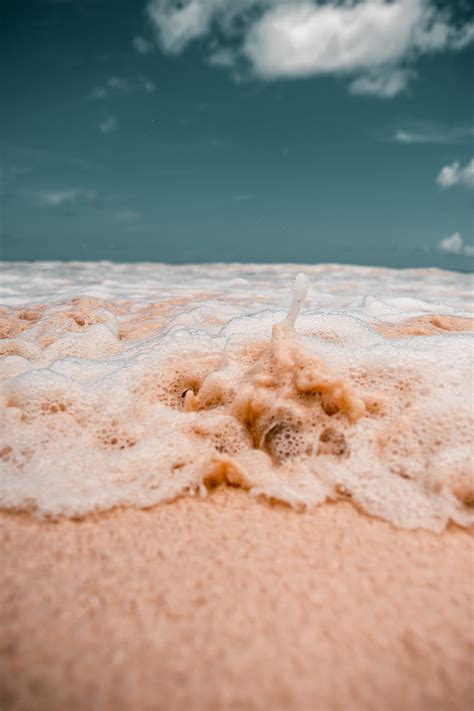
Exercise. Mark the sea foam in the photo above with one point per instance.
(132, 384)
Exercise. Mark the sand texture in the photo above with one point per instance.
(227, 603)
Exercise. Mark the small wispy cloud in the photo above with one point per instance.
(223, 57)
(384, 84)
(243, 197)
(38, 155)
(455, 174)
(108, 125)
(98, 92)
(147, 85)
(70, 196)
(456, 245)
(430, 133)
(142, 45)
(120, 86)
(113, 85)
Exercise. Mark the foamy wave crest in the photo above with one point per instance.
(130, 385)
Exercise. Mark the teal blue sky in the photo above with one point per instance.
(124, 138)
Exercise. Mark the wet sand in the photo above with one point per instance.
(228, 603)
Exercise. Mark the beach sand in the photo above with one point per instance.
(228, 603)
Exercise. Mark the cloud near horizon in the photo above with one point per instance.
(374, 43)
(70, 196)
(456, 245)
(455, 174)
(434, 134)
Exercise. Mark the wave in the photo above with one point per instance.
(131, 385)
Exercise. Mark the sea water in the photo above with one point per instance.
(133, 384)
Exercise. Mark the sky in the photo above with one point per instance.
(238, 130)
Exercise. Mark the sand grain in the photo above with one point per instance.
(228, 603)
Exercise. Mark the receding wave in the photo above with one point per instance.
(130, 385)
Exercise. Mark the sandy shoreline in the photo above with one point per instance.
(228, 603)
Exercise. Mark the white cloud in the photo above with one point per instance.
(384, 84)
(177, 24)
(464, 38)
(116, 86)
(143, 46)
(243, 197)
(223, 57)
(99, 92)
(298, 39)
(408, 137)
(430, 133)
(455, 245)
(148, 85)
(374, 42)
(108, 125)
(455, 174)
(71, 196)
(113, 85)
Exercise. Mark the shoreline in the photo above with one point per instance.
(230, 603)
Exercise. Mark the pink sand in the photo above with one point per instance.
(228, 604)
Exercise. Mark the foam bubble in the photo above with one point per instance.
(135, 384)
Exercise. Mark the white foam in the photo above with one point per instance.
(132, 384)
